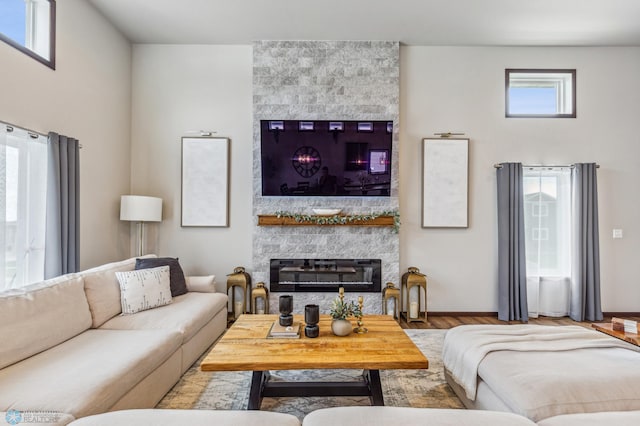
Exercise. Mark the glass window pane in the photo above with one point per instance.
(532, 100)
(28, 25)
(547, 220)
(13, 19)
(540, 93)
(23, 166)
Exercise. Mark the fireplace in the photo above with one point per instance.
(325, 275)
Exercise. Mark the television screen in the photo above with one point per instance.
(326, 158)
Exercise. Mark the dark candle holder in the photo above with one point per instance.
(311, 318)
(286, 307)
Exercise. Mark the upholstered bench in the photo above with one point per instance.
(372, 416)
(154, 417)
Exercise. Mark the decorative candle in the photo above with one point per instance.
(341, 291)
(413, 310)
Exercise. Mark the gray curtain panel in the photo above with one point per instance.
(585, 286)
(62, 245)
(512, 274)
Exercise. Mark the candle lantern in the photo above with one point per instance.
(242, 280)
(390, 292)
(257, 294)
(413, 294)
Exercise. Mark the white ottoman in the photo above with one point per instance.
(385, 416)
(155, 417)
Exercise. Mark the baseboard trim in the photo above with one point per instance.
(461, 314)
(621, 314)
(495, 314)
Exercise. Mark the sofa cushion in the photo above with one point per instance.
(87, 374)
(144, 289)
(187, 314)
(37, 317)
(610, 418)
(366, 416)
(103, 290)
(203, 284)
(178, 283)
(152, 417)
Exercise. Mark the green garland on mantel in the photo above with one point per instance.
(340, 219)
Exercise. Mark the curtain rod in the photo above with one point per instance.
(4, 123)
(499, 166)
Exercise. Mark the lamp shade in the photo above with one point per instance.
(139, 208)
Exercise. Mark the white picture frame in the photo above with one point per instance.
(445, 175)
(205, 182)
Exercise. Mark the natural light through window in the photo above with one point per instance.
(23, 176)
(547, 221)
(29, 26)
(540, 93)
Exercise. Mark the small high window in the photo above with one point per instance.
(540, 93)
(29, 26)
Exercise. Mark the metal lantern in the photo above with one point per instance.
(390, 292)
(260, 292)
(416, 301)
(239, 278)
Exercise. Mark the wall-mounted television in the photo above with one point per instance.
(326, 158)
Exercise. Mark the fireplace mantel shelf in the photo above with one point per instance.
(274, 220)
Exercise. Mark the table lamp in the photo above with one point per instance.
(141, 209)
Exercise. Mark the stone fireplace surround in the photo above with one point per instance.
(325, 80)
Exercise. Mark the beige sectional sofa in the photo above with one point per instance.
(67, 350)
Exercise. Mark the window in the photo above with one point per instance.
(29, 26)
(547, 236)
(23, 173)
(540, 93)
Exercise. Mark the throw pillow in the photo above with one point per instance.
(176, 276)
(144, 289)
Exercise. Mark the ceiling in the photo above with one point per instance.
(411, 22)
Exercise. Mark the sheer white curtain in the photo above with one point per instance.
(23, 174)
(547, 222)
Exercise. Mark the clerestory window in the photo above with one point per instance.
(29, 26)
(540, 93)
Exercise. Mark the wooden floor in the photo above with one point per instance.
(444, 322)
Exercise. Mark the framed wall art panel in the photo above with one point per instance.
(205, 181)
(445, 170)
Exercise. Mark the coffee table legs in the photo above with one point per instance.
(262, 387)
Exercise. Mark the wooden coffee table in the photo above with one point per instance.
(607, 328)
(245, 347)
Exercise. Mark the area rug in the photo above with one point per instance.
(401, 388)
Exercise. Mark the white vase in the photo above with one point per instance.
(341, 327)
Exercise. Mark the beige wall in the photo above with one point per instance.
(177, 89)
(180, 88)
(87, 97)
(462, 89)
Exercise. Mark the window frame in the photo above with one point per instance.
(573, 97)
(51, 62)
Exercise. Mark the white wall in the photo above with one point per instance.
(181, 88)
(87, 97)
(462, 89)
